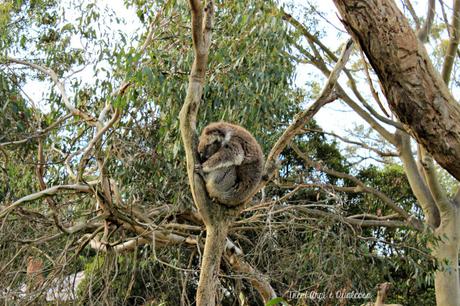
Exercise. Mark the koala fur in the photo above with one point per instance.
(232, 162)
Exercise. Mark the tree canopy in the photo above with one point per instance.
(102, 105)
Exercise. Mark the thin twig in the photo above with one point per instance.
(453, 43)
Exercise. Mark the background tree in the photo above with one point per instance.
(422, 179)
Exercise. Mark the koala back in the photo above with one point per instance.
(232, 162)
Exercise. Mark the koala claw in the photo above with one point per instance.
(199, 169)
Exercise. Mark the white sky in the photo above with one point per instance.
(334, 117)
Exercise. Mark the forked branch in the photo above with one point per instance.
(327, 95)
(215, 217)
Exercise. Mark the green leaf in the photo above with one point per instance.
(23, 41)
(148, 72)
(278, 300)
(68, 27)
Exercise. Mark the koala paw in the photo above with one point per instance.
(199, 169)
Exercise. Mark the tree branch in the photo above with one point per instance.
(371, 85)
(453, 43)
(60, 86)
(361, 144)
(327, 95)
(426, 28)
(47, 192)
(94, 140)
(321, 65)
(40, 172)
(38, 134)
(374, 217)
(416, 181)
(126, 246)
(366, 116)
(439, 195)
(412, 12)
(361, 223)
(410, 219)
(314, 40)
(234, 255)
(333, 215)
(189, 111)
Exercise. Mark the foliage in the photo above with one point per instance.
(125, 280)
(297, 233)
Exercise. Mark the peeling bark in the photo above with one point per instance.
(414, 89)
(420, 98)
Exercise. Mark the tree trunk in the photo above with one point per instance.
(447, 283)
(421, 100)
(213, 250)
(446, 280)
(414, 89)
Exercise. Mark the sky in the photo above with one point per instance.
(335, 117)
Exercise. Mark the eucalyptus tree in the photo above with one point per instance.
(106, 169)
(423, 107)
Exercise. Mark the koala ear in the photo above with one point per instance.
(221, 133)
(215, 132)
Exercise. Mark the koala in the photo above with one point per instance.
(232, 162)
